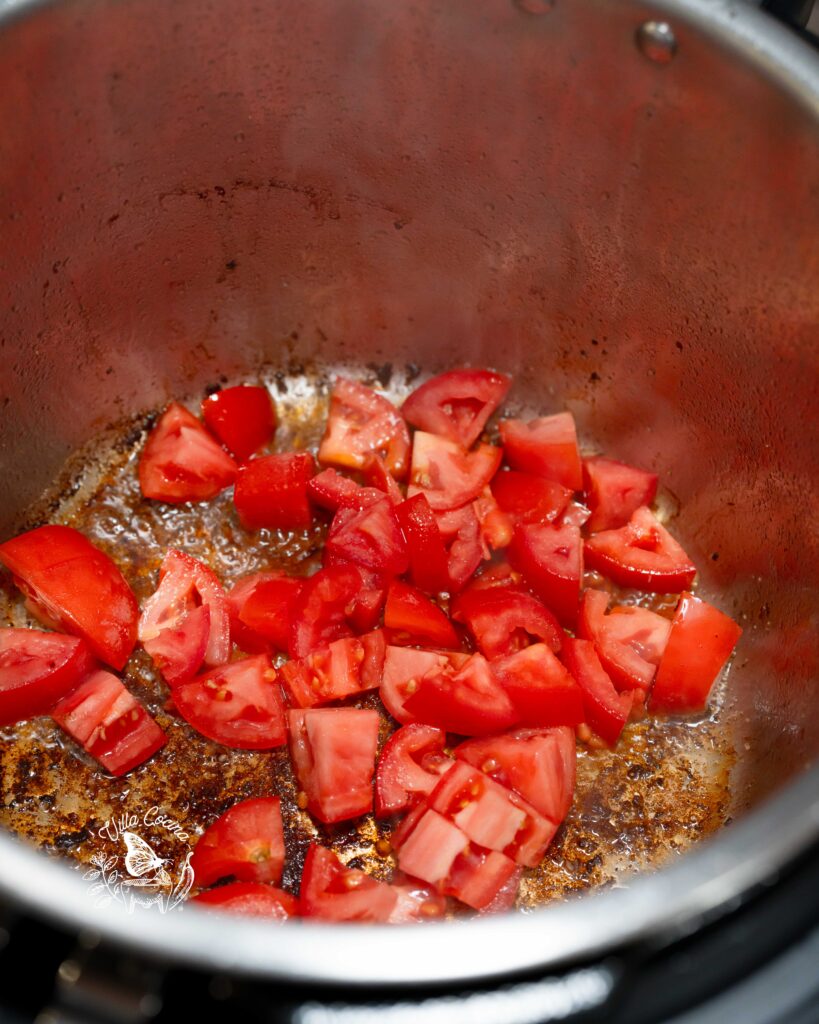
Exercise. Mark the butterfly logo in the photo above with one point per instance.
(142, 863)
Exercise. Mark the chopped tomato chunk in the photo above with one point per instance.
(377, 476)
(415, 619)
(432, 846)
(528, 498)
(182, 462)
(415, 901)
(428, 557)
(546, 447)
(69, 583)
(606, 710)
(461, 533)
(629, 642)
(363, 423)
(496, 526)
(370, 537)
(271, 492)
(37, 669)
(551, 561)
(409, 768)
(254, 899)
(614, 492)
(505, 619)
(261, 611)
(346, 667)
(243, 418)
(478, 877)
(333, 752)
(450, 476)
(332, 491)
(404, 668)
(701, 641)
(246, 843)
(641, 554)
(319, 612)
(542, 692)
(333, 892)
(456, 404)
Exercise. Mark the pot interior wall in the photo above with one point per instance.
(311, 184)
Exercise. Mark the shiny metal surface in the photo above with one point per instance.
(318, 184)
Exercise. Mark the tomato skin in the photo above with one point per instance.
(702, 639)
(108, 722)
(449, 476)
(378, 477)
(411, 613)
(614, 491)
(330, 490)
(318, 615)
(542, 692)
(74, 584)
(182, 462)
(260, 611)
(428, 557)
(252, 899)
(271, 492)
(456, 404)
(370, 537)
(641, 554)
(403, 669)
(37, 669)
(239, 705)
(550, 559)
(502, 620)
(362, 423)
(409, 768)
(606, 710)
(246, 842)
(545, 447)
(333, 892)
(333, 752)
(528, 498)
(346, 667)
(243, 418)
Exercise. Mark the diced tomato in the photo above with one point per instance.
(370, 537)
(37, 669)
(461, 533)
(614, 492)
(546, 447)
(239, 705)
(701, 641)
(319, 611)
(499, 574)
(430, 848)
(505, 619)
(541, 690)
(629, 642)
(412, 615)
(185, 623)
(377, 475)
(108, 722)
(332, 491)
(496, 526)
(243, 418)
(447, 474)
(415, 901)
(182, 462)
(466, 700)
(271, 492)
(364, 610)
(506, 896)
(606, 710)
(528, 498)
(363, 423)
(404, 667)
(641, 554)
(551, 561)
(429, 560)
(456, 404)
(352, 665)
(260, 611)
(409, 768)
(333, 752)
(333, 892)
(478, 877)
(246, 842)
(70, 583)
(254, 899)
(538, 764)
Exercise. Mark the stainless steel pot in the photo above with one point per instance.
(623, 215)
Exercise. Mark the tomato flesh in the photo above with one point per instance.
(542, 692)
(271, 492)
(251, 899)
(412, 616)
(614, 492)
(37, 669)
(330, 490)
(403, 669)
(260, 611)
(641, 554)
(409, 768)
(461, 533)
(246, 842)
(527, 498)
(606, 711)
(319, 611)
(505, 619)
(243, 418)
(332, 892)
(346, 667)
(362, 423)
(551, 561)
(370, 537)
(449, 475)
(428, 557)
(546, 447)
(456, 404)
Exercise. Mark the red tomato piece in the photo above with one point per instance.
(271, 492)
(496, 526)
(260, 611)
(37, 669)
(319, 612)
(333, 752)
(246, 842)
(108, 722)
(467, 700)
(505, 619)
(629, 642)
(363, 423)
(182, 462)
(456, 404)
(538, 764)
(404, 667)
(364, 611)
(701, 641)
(370, 537)
(478, 877)
(614, 492)
(352, 665)
(70, 583)
(429, 560)
(506, 896)
(541, 690)
(606, 710)
(415, 901)
(243, 418)
(551, 561)
(641, 554)
(330, 490)
(377, 476)
(461, 533)
(239, 705)
(185, 623)
(254, 899)
(409, 768)
(412, 614)
(528, 498)
(429, 846)
(333, 892)
(546, 447)
(447, 474)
